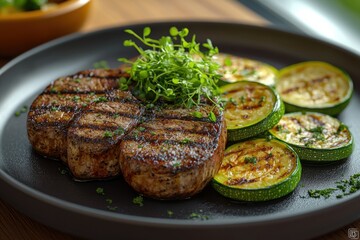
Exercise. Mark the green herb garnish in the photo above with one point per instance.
(318, 129)
(119, 131)
(170, 213)
(232, 101)
(76, 98)
(141, 129)
(100, 191)
(22, 110)
(112, 208)
(262, 99)
(100, 99)
(54, 109)
(212, 116)
(173, 68)
(139, 200)
(63, 171)
(252, 160)
(227, 61)
(197, 114)
(242, 99)
(343, 188)
(199, 216)
(108, 134)
(326, 193)
(123, 84)
(341, 128)
(185, 140)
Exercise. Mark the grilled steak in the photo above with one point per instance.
(98, 130)
(173, 155)
(52, 110)
(95, 132)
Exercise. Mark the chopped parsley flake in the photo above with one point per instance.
(242, 99)
(119, 131)
(252, 160)
(100, 191)
(108, 134)
(100, 99)
(262, 99)
(343, 188)
(112, 208)
(141, 129)
(22, 110)
(53, 109)
(139, 200)
(63, 171)
(185, 140)
(170, 213)
(76, 98)
(326, 193)
(199, 216)
(232, 101)
(53, 90)
(228, 62)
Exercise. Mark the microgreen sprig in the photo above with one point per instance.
(173, 68)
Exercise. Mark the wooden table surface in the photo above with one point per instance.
(107, 13)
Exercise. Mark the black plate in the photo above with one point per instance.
(36, 187)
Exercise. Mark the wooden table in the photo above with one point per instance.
(107, 13)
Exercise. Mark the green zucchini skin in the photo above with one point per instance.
(318, 83)
(269, 121)
(272, 192)
(332, 111)
(319, 156)
(260, 127)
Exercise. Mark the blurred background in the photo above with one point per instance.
(336, 21)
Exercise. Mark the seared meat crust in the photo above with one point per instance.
(95, 132)
(173, 155)
(52, 111)
(99, 131)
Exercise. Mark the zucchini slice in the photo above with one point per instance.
(251, 108)
(316, 137)
(314, 87)
(258, 170)
(234, 69)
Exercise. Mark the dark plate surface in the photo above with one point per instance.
(37, 187)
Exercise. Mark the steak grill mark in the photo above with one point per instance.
(87, 122)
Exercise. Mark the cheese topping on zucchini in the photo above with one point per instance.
(313, 84)
(247, 103)
(234, 68)
(256, 164)
(312, 130)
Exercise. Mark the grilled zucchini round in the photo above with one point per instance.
(252, 108)
(314, 86)
(234, 69)
(258, 170)
(316, 137)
